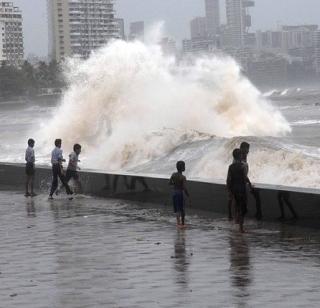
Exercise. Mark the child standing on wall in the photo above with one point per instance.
(30, 168)
(237, 181)
(178, 182)
(72, 170)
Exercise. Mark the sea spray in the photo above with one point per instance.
(129, 104)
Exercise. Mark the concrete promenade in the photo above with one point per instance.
(93, 252)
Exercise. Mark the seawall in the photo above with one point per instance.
(205, 195)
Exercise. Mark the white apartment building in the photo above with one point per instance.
(77, 27)
(11, 37)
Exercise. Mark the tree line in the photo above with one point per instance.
(28, 79)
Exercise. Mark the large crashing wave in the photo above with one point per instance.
(129, 104)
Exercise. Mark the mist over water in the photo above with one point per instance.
(133, 108)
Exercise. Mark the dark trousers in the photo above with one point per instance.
(256, 195)
(178, 205)
(241, 203)
(57, 172)
(71, 174)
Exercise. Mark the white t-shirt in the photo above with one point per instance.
(73, 161)
(30, 157)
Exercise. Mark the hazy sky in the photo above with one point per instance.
(175, 13)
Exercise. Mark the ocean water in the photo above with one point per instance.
(135, 109)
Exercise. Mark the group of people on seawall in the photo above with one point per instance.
(57, 161)
(238, 182)
(238, 187)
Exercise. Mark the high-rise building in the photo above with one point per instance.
(198, 27)
(213, 17)
(136, 30)
(11, 37)
(77, 27)
(316, 51)
(198, 46)
(120, 28)
(238, 21)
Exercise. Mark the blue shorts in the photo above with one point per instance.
(178, 201)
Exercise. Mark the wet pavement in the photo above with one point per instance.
(106, 253)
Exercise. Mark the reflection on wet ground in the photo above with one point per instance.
(105, 253)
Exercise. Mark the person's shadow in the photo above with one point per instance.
(240, 269)
(31, 210)
(180, 258)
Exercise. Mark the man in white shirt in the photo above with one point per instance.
(30, 168)
(72, 170)
(56, 161)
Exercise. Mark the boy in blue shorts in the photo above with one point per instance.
(178, 182)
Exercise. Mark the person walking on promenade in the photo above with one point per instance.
(30, 168)
(178, 182)
(245, 147)
(237, 181)
(56, 161)
(72, 169)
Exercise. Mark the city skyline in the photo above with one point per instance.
(176, 20)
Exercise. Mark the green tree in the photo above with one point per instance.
(11, 81)
(29, 78)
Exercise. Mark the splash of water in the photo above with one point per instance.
(129, 104)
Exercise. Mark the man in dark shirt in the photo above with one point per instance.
(237, 181)
(245, 147)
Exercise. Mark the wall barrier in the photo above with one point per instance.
(205, 195)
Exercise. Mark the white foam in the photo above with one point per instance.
(129, 104)
(305, 122)
(267, 165)
(270, 93)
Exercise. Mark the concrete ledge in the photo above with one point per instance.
(205, 195)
